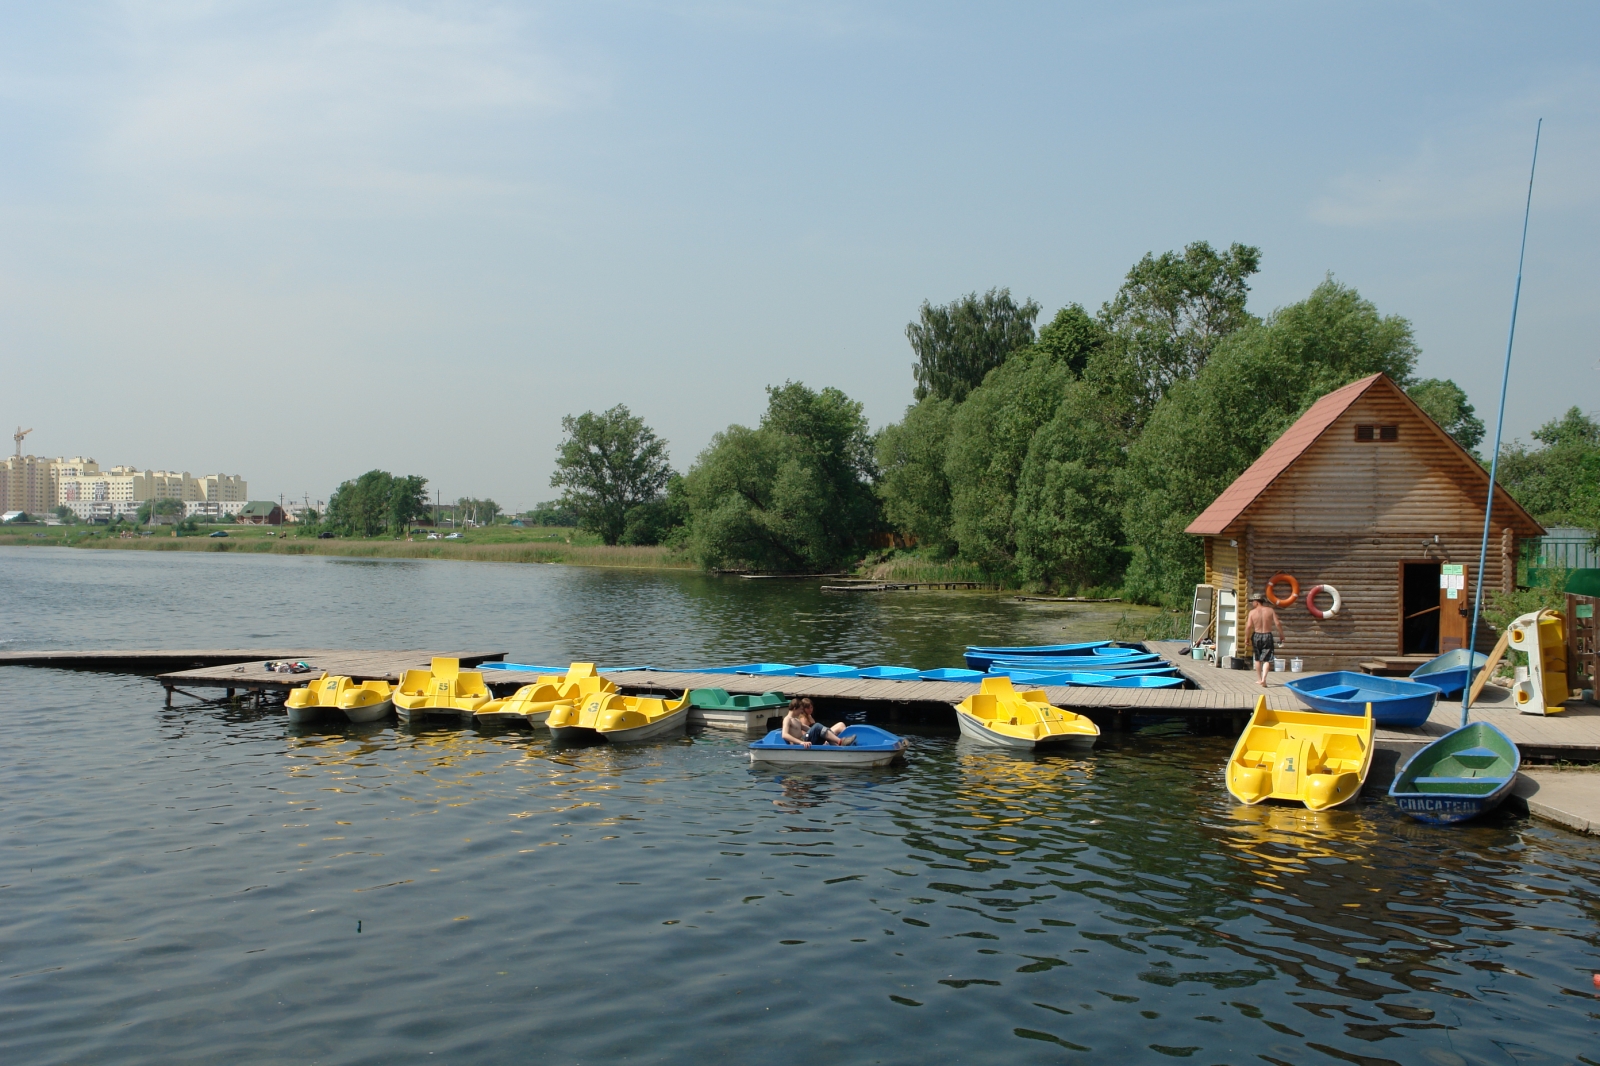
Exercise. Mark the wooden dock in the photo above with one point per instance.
(1219, 699)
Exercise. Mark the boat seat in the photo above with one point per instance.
(1339, 692)
(1477, 755)
(1464, 780)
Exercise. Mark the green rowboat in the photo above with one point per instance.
(1461, 775)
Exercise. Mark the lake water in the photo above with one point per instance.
(210, 884)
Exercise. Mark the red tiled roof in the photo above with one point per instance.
(1275, 460)
(1248, 486)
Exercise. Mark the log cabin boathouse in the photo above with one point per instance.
(1367, 494)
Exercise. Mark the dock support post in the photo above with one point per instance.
(169, 695)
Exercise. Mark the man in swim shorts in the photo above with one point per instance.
(1260, 626)
(801, 727)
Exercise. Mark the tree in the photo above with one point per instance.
(912, 483)
(989, 439)
(150, 508)
(608, 464)
(1067, 524)
(66, 514)
(1446, 403)
(1172, 311)
(960, 342)
(794, 494)
(1206, 431)
(376, 502)
(1072, 338)
(479, 512)
(1558, 483)
(551, 513)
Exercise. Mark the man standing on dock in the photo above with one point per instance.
(1261, 626)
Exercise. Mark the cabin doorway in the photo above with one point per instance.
(1419, 608)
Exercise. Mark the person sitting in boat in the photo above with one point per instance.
(1265, 631)
(801, 727)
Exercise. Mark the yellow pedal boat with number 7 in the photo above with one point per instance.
(533, 703)
(444, 688)
(1317, 759)
(358, 701)
(619, 719)
(1000, 716)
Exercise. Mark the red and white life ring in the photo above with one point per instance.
(1333, 608)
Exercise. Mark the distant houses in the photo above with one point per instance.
(260, 513)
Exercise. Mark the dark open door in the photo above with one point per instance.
(1421, 599)
(1455, 607)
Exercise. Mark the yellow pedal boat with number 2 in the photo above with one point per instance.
(619, 719)
(1000, 716)
(358, 701)
(444, 688)
(533, 703)
(1317, 759)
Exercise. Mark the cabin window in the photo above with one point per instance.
(1378, 433)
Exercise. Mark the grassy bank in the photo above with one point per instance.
(490, 545)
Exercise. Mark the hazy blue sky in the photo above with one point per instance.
(300, 240)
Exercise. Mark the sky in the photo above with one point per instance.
(297, 241)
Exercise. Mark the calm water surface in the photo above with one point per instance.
(207, 884)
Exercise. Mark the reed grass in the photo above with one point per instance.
(634, 558)
(909, 568)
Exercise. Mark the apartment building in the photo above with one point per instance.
(39, 485)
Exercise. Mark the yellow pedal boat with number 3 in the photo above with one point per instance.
(533, 703)
(1317, 759)
(1000, 716)
(444, 688)
(619, 719)
(358, 701)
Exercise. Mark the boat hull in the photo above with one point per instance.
(1394, 702)
(374, 712)
(973, 729)
(1318, 759)
(1448, 810)
(669, 726)
(305, 715)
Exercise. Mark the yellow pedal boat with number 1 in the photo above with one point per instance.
(1000, 716)
(358, 701)
(619, 719)
(535, 702)
(1317, 759)
(444, 688)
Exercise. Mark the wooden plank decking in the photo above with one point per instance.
(362, 665)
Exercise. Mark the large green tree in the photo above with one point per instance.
(376, 502)
(1207, 430)
(912, 482)
(958, 343)
(1171, 313)
(1446, 403)
(990, 435)
(609, 464)
(793, 494)
(1558, 482)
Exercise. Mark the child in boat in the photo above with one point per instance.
(801, 727)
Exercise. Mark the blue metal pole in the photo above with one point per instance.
(1499, 423)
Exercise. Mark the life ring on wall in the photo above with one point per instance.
(1279, 579)
(1333, 608)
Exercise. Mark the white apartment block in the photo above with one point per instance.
(39, 485)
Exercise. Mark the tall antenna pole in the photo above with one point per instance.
(1499, 424)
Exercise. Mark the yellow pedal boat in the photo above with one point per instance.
(358, 701)
(534, 702)
(1318, 759)
(1000, 716)
(619, 719)
(445, 688)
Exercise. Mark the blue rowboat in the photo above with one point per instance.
(1094, 679)
(1463, 774)
(1043, 649)
(945, 673)
(1394, 702)
(872, 747)
(892, 673)
(980, 658)
(1109, 671)
(1449, 673)
(1087, 662)
(827, 670)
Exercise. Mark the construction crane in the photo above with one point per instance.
(17, 436)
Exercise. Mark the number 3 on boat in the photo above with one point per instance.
(1320, 760)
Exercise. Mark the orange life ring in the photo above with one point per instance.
(1294, 590)
(1333, 608)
